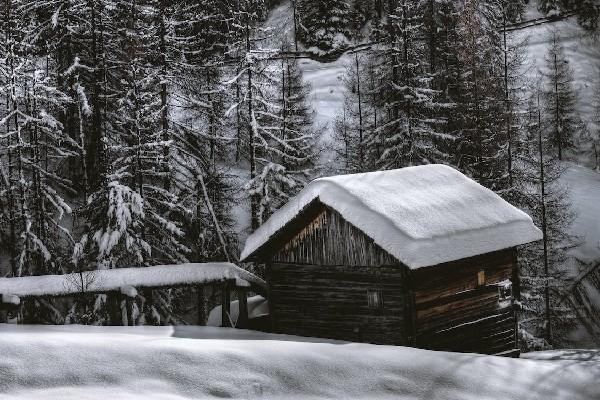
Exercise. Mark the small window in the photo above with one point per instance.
(481, 278)
(375, 299)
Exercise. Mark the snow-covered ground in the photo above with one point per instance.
(176, 363)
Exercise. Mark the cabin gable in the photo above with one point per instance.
(326, 238)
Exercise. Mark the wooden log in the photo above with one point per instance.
(129, 307)
(242, 321)
(225, 305)
(201, 305)
(148, 306)
(114, 311)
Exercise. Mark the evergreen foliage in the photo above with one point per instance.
(325, 25)
(559, 98)
(546, 318)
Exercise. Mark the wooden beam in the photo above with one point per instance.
(114, 310)
(242, 321)
(129, 307)
(201, 305)
(225, 305)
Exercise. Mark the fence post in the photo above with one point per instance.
(201, 305)
(225, 305)
(242, 321)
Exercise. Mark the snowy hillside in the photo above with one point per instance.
(581, 50)
(584, 186)
(189, 363)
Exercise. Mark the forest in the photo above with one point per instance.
(134, 131)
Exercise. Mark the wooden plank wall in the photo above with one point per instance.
(453, 313)
(318, 283)
(331, 302)
(329, 240)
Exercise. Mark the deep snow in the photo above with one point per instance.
(176, 363)
(584, 193)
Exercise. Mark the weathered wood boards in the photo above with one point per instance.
(331, 302)
(456, 311)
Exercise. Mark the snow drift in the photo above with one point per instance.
(421, 215)
(74, 362)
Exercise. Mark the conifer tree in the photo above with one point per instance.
(131, 214)
(34, 147)
(594, 130)
(546, 319)
(324, 24)
(559, 98)
(477, 122)
(286, 150)
(411, 127)
(355, 128)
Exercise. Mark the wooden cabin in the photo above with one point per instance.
(420, 256)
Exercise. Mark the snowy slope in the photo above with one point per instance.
(582, 51)
(325, 78)
(93, 363)
(584, 191)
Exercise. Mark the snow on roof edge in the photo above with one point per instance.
(413, 252)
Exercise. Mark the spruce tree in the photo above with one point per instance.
(410, 128)
(594, 131)
(546, 319)
(478, 120)
(559, 98)
(350, 126)
(286, 142)
(324, 25)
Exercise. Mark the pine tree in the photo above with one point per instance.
(411, 129)
(286, 141)
(356, 128)
(478, 120)
(324, 24)
(559, 97)
(546, 319)
(35, 144)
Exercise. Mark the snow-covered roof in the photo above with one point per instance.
(116, 279)
(424, 215)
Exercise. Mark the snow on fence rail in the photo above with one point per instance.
(100, 281)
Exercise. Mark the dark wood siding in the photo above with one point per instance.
(331, 302)
(454, 313)
(319, 278)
